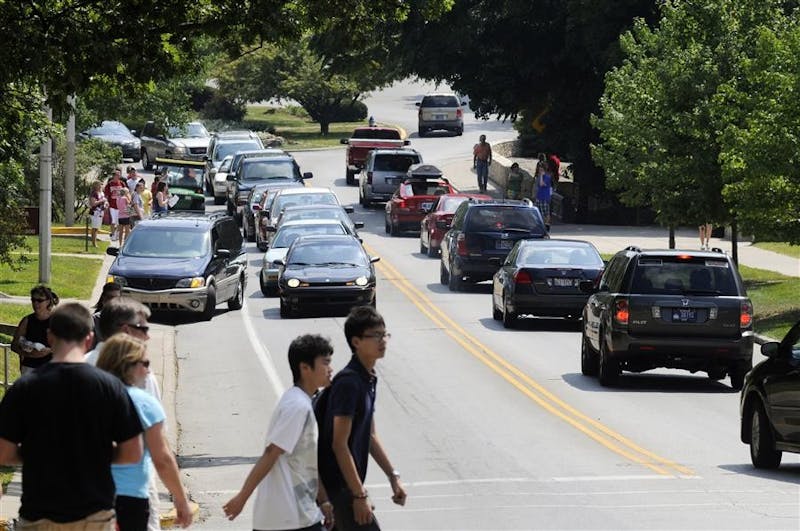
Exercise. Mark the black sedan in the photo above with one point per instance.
(770, 402)
(542, 277)
(323, 272)
(116, 134)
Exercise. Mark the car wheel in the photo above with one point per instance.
(444, 277)
(211, 303)
(265, 291)
(608, 370)
(433, 253)
(453, 281)
(422, 248)
(460, 131)
(737, 374)
(509, 317)
(762, 440)
(237, 301)
(251, 235)
(284, 309)
(374, 301)
(589, 365)
(497, 314)
(219, 200)
(147, 164)
(421, 132)
(229, 207)
(350, 176)
(261, 245)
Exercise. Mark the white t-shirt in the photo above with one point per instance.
(286, 497)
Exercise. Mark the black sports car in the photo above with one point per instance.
(326, 271)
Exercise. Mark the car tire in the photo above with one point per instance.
(237, 301)
(444, 276)
(229, 208)
(589, 361)
(453, 281)
(737, 375)
(608, 370)
(349, 177)
(147, 164)
(261, 245)
(265, 291)
(762, 440)
(219, 200)
(509, 317)
(284, 310)
(374, 303)
(432, 253)
(420, 132)
(460, 131)
(211, 303)
(497, 314)
(251, 236)
(422, 248)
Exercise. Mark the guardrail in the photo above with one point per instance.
(6, 349)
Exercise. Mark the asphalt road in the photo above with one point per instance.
(491, 428)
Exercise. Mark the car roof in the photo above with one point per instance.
(323, 238)
(297, 222)
(398, 151)
(248, 153)
(185, 219)
(234, 133)
(313, 207)
(676, 252)
(555, 241)
(515, 203)
(441, 94)
(283, 157)
(467, 195)
(306, 190)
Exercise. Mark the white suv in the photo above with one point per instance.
(440, 111)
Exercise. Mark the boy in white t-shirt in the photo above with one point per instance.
(290, 495)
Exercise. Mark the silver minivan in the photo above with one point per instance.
(384, 170)
(440, 111)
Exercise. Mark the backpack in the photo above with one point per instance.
(320, 400)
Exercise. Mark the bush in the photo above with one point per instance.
(221, 108)
(352, 112)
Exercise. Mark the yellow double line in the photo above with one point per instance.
(595, 430)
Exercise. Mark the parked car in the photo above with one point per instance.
(324, 272)
(262, 214)
(482, 235)
(226, 143)
(279, 245)
(542, 277)
(236, 164)
(440, 111)
(770, 402)
(384, 171)
(321, 212)
(261, 170)
(438, 220)
(185, 180)
(189, 141)
(414, 198)
(251, 207)
(118, 135)
(679, 309)
(182, 261)
(217, 181)
(364, 140)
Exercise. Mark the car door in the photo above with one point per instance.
(503, 278)
(600, 301)
(782, 388)
(232, 240)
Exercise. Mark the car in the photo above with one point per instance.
(324, 272)
(226, 143)
(365, 139)
(679, 309)
(770, 402)
(542, 277)
(320, 212)
(251, 207)
(481, 236)
(414, 198)
(261, 170)
(236, 164)
(438, 220)
(189, 141)
(384, 170)
(217, 181)
(262, 214)
(440, 111)
(299, 197)
(182, 261)
(279, 245)
(185, 180)
(118, 135)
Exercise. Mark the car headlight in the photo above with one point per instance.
(220, 178)
(193, 282)
(361, 281)
(292, 282)
(178, 149)
(131, 143)
(114, 278)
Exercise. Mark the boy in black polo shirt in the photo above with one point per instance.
(348, 434)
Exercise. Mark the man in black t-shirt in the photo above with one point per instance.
(61, 422)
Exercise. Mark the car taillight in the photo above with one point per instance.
(461, 245)
(369, 177)
(522, 277)
(256, 208)
(745, 314)
(401, 203)
(621, 312)
(459, 113)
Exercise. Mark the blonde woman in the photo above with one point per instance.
(123, 202)
(125, 357)
(97, 206)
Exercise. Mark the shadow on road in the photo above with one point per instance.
(207, 461)
(649, 383)
(788, 473)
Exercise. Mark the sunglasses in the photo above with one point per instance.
(143, 328)
(36, 299)
(145, 363)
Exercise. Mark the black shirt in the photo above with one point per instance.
(66, 416)
(352, 394)
(36, 331)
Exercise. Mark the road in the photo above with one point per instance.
(490, 428)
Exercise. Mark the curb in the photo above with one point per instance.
(168, 518)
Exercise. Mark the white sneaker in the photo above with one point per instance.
(113, 236)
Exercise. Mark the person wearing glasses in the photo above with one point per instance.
(30, 338)
(125, 357)
(348, 435)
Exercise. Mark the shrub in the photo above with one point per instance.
(221, 108)
(350, 112)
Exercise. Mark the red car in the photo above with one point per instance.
(437, 222)
(412, 201)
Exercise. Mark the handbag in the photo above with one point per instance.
(106, 216)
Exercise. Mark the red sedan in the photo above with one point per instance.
(412, 201)
(438, 220)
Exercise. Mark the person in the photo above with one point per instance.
(30, 338)
(544, 191)
(111, 290)
(136, 208)
(125, 357)
(705, 235)
(112, 191)
(154, 185)
(69, 421)
(188, 178)
(514, 182)
(97, 207)
(289, 494)
(147, 198)
(347, 428)
(132, 179)
(555, 168)
(124, 215)
(161, 203)
(482, 157)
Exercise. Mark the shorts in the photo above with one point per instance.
(544, 208)
(97, 219)
(114, 216)
(125, 221)
(99, 521)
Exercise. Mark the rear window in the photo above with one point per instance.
(673, 275)
(286, 201)
(377, 134)
(254, 171)
(451, 204)
(503, 219)
(399, 163)
(559, 255)
(223, 150)
(439, 101)
(423, 188)
(286, 235)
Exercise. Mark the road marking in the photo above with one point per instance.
(592, 428)
(262, 353)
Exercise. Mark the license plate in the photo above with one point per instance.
(504, 244)
(440, 117)
(684, 315)
(426, 205)
(562, 282)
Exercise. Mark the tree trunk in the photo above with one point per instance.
(324, 127)
(671, 236)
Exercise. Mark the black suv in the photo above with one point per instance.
(669, 308)
(183, 261)
(270, 170)
(481, 236)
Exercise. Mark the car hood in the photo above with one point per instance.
(116, 139)
(275, 254)
(316, 274)
(190, 142)
(135, 266)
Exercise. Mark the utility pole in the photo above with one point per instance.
(45, 202)
(69, 167)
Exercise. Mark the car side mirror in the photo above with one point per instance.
(373, 259)
(359, 224)
(308, 175)
(223, 253)
(205, 158)
(279, 262)
(112, 251)
(349, 209)
(418, 104)
(344, 141)
(230, 177)
(406, 142)
(587, 286)
(770, 350)
(135, 133)
(270, 228)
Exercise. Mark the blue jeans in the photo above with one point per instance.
(482, 169)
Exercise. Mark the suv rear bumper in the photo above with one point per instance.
(477, 269)
(189, 299)
(547, 304)
(643, 353)
(451, 125)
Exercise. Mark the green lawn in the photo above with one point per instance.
(779, 247)
(68, 244)
(297, 128)
(71, 277)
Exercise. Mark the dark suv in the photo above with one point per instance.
(668, 308)
(277, 170)
(183, 261)
(482, 235)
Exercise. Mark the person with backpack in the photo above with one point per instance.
(290, 495)
(347, 433)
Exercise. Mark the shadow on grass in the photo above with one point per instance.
(776, 326)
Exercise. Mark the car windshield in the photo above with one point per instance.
(399, 163)
(157, 242)
(451, 204)
(377, 134)
(226, 164)
(559, 255)
(676, 275)
(321, 253)
(504, 219)
(193, 130)
(287, 200)
(439, 101)
(109, 128)
(186, 177)
(263, 170)
(314, 213)
(424, 188)
(287, 234)
(230, 148)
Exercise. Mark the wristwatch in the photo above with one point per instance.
(395, 474)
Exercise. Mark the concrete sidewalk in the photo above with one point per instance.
(612, 238)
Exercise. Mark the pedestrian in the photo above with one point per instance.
(154, 185)
(111, 290)
(97, 207)
(147, 199)
(482, 157)
(161, 202)
(136, 208)
(132, 178)
(555, 168)
(30, 339)
(286, 475)
(125, 357)
(514, 182)
(544, 191)
(112, 190)
(124, 215)
(347, 428)
(70, 421)
(705, 236)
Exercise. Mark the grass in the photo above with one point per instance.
(298, 129)
(68, 244)
(779, 247)
(9, 314)
(71, 277)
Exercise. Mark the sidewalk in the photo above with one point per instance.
(612, 238)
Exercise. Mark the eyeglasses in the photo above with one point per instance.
(145, 363)
(143, 328)
(378, 335)
(37, 299)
